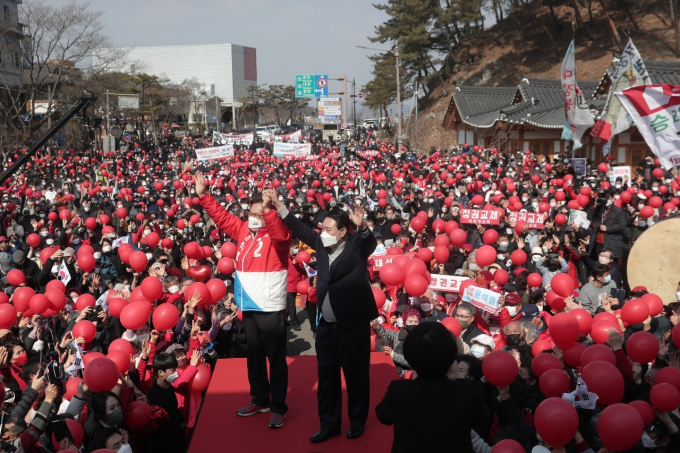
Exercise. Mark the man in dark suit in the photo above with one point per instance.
(345, 308)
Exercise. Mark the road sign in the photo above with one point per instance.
(127, 137)
(304, 85)
(345, 125)
(360, 95)
(321, 86)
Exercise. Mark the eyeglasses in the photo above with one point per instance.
(463, 316)
(257, 216)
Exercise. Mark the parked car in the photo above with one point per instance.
(286, 130)
(371, 122)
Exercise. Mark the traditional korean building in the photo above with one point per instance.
(531, 116)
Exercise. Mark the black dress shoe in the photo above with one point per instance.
(355, 432)
(323, 436)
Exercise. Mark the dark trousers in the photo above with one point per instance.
(292, 313)
(347, 349)
(266, 337)
(311, 315)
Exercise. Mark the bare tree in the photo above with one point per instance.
(193, 98)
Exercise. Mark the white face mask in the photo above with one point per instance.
(477, 350)
(244, 206)
(400, 321)
(227, 326)
(509, 230)
(603, 260)
(173, 289)
(254, 224)
(149, 256)
(534, 205)
(328, 240)
(172, 378)
(97, 255)
(141, 338)
(49, 241)
(426, 307)
(55, 269)
(535, 258)
(106, 249)
(677, 296)
(512, 309)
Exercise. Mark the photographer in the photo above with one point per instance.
(610, 231)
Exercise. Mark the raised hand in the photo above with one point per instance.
(195, 357)
(200, 183)
(357, 215)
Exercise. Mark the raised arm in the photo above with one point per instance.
(226, 222)
(278, 232)
(299, 229)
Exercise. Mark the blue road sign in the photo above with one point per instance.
(321, 85)
(127, 137)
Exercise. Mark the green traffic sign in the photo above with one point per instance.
(304, 86)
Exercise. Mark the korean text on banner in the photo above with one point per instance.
(380, 261)
(218, 152)
(655, 111)
(449, 283)
(533, 219)
(578, 116)
(480, 216)
(579, 164)
(483, 299)
(619, 172)
(294, 149)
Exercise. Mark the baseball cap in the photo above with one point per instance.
(659, 326)
(513, 299)
(510, 287)
(529, 312)
(18, 257)
(485, 340)
(640, 288)
(3, 239)
(468, 248)
(68, 251)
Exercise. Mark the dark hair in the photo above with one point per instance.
(29, 368)
(599, 270)
(521, 280)
(379, 282)
(257, 198)
(98, 404)
(340, 217)
(164, 362)
(475, 366)
(99, 440)
(667, 311)
(430, 349)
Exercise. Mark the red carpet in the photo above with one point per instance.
(220, 429)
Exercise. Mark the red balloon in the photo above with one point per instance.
(84, 301)
(418, 224)
(229, 250)
(654, 303)
(56, 299)
(39, 304)
(152, 239)
(72, 387)
(544, 362)
(137, 414)
(668, 375)
(392, 274)
(486, 256)
(508, 446)
(136, 314)
(562, 284)
(303, 257)
(15, 277)
(101, 374)
(556, 421)
(395, 229)
(665, 397)
(56, 285)
(620, 427)
(642, 347)
(539, 346)
(572, 354)
(226, 265)
(8, 316)
(635, 311)
(501, 277)
(458, 237)
(201, 380)
(452, 325)
(535, 280)
(441, 253)
(490, 237)
(22, 297)
(90, 356)
(554, 382)
(90, 223)
(152, 288)
(518, 257)
(599, 331)
(380, 297)
(597, 352)
(426, 255)
(165, 317)
(33, 240)
(116, 306)
(121, 359)
(85, 329)
(500, 368)
(46, 253)
(86, 262)
(120, 344)
(415, 284)
(564, 329)
(302, 287)
(198, 287)
(585, 320)
(217, 289)
(121, 213)
(605, 380)
(138, 261)
(85, 250)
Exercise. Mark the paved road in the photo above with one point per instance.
(301, 343)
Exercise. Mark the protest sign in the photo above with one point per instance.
(580, 218)
(483, 299)
(579, 165)
(480, 216)
(449, 283)
(622, 172)
(532, 219)
(218, 152)
(292, 150)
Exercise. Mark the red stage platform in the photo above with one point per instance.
(220, 429)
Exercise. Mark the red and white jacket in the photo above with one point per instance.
(261, 261)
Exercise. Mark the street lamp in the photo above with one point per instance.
(394, 52)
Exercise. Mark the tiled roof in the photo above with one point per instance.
(660, 72)
(481, 106)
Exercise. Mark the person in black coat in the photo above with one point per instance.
(411, 405)
(465, 315)
(610, 228)
(345, 308)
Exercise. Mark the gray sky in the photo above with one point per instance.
(291, 36)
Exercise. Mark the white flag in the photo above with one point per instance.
(64, 274)
(656, 112)
(579, 118)
(581, 397)
(78, 362)
(103, 301)
(120, 241)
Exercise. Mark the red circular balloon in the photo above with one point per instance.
(654, 303)
(518, 257)
(152, 239)
(15, 277)
(392, 274)
(544, 362)
(564, 329)
(635, 311)
(642, 347)
(539, 346)
(101, 374)
(573, 353)
(152, 288)
(85, 329)
(22, 297)
(165, 317)
(33, 240)
(72, 387)
(562, 284)
(302, 287)
(665, 397)
(453, 326)
(46, 253)
(554, 382)
(508, 446)
(229, 250)
(137, 414)
(201, 379)
(597, 352)
(84, 301)
(380, 297)
(395, 229)
(458, 237)
(121, 213)
(441, 253)
(8, 316)
(217, 289)
(490, 237)
(600, 331)
(90, 356)
(605, 380)
(415, 284)
(198, 287)
(415, 266)
(138, 261)
(226, 265)
(486, 256)
(500, 368)
(668, 375)
(645, 410)
(501, 277)
(303, 257)
(86, 262)
(560, 219)
(121, 359)
(418, 224)
(39, 304)
(120, 344)
(426, 255)
(620, 427)
(556, 421)
(136, 314)
(535, 280)
(56, 285)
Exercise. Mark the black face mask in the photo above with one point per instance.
(409, 328)
(514, 339)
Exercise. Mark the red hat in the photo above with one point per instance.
(441, 300)
(215, 234)
(496, 288)
(468, 248)
(519, 271)
(513, 299)
(640, 288)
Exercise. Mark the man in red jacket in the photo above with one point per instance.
(296, 273)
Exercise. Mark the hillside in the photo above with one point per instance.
(507, 54)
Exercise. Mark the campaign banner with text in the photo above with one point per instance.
(480, 216)
(217, 152)
(449, 283)
(532, 219)
(484, 299)
(292, 150)
(622, 172)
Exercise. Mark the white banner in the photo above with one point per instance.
(218, 152)
(654, 108)
(233, 139)
(77, 362)
(293, 150)
(290, 138)
(579, 118)
(619, 172)
(449, 283)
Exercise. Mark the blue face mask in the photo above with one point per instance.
(607, 279)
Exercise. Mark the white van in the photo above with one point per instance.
(268, 130)
(371, 122)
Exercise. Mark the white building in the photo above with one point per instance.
(230, 67)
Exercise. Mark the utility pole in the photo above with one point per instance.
(108, 115)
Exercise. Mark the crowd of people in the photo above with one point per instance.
(495, 280)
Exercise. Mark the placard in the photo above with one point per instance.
(296, 150)
(483, 299)
(480, 216)
(450, 283)
(579, 165)
(215, 153)
(532, 219)
(580, 218)
(622, 172)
